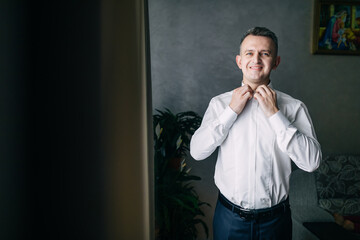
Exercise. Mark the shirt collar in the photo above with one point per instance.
(270, 84)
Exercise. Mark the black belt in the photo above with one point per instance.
(255, 214)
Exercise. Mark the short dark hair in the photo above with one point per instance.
(263, 32)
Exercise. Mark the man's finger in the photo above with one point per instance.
(248, 95)
(246, 88)
(264, 90)
(258, 96)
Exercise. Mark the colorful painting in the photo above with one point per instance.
(337, 27)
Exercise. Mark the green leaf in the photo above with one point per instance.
(177, 203)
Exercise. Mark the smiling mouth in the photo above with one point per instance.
(257, 68)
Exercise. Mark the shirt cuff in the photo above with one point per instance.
(279, 122)
(228, 117)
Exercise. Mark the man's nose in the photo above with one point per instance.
(256, 58)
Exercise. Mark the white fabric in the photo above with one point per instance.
(254, 159)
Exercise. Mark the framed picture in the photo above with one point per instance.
(336, 27)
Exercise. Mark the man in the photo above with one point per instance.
(258, 131)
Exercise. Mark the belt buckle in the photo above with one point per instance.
(246, 214)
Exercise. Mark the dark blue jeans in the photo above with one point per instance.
(228, 225)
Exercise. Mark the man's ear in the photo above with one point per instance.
(238, 61)
(276, 63)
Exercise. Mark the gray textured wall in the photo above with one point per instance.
(193, 49)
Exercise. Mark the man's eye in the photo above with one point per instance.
(265, 54)
(249, 53)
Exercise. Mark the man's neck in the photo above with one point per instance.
(254, 86)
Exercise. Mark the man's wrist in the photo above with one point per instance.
(228, 117)
(272, 113)
(233, 109)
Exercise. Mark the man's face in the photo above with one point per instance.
(256, 60)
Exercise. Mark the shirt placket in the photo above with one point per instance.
(253, 155)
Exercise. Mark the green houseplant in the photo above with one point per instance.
(177, 204)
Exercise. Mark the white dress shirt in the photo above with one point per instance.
(254, 159)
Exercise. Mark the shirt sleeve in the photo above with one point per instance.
(297, 139)
(212, 132)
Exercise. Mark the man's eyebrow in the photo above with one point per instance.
(252, 50)
(249, 50)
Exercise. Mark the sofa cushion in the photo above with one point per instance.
(346, 207)
(338, 177)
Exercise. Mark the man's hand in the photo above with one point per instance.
(240, 97)
(267, 100)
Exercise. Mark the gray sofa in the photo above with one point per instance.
(304, 204)
(334, 187)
